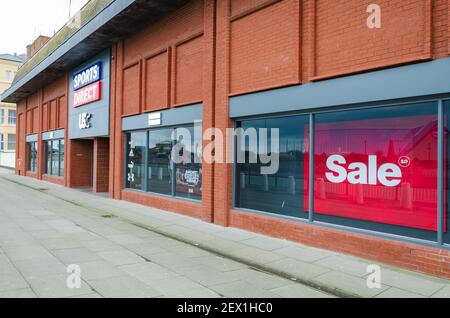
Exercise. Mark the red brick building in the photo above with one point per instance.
(361, 113)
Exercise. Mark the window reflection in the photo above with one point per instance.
(159, 163)
(282, 192)
(136, 160)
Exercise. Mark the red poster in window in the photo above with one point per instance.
(382, 170)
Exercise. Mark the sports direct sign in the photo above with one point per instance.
(90, 74)
(87, 85)
(380, 170)
(87, 94)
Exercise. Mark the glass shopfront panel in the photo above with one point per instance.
(61, 157)
(377, 169)
(285, 191)
(54, 157)
(164, 175)
(136, 150)
(32, 150)
(188, 171)
(159, 164)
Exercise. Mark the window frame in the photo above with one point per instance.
(12, 120)
(13, 148)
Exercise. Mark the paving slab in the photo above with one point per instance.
(442, 293)
(18, 293)
(75, 255)
(148, 273)
(414, 284)
(261, 279)
(303, 253)
(30, 268)
(123, 287)
(98, 270)
(345, 264)
(257, 255)
(11, 281)
(118, 258)
(299, 291)
(242, 289)
(55, 286)
(205, 275)
(297, 268)
(265, 243)
(398, 293)
(349, 284)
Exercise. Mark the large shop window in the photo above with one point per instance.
(136, 144)
(377, 169)
(151, 168)
(374, 169)
(159, 164)
(188, 170)
(32, 151)
(284, 191)
(54, 157)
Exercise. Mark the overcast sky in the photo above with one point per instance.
(21, 21)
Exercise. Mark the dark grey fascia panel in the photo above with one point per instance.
(170, 117)
(99, 110)
(104, 16)
(31, 138)
(55, 134)
(423, 79)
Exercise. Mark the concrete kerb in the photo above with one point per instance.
(311, 282)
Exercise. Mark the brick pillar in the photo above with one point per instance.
(208, 106)
(101, 165)
(222, 171)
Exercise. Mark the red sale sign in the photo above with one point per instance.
(381, 170)
(87, 94)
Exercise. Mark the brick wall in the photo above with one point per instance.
(101, 165)
(176, 205)
(161, 67)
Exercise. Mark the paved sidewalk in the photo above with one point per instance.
(129, 250)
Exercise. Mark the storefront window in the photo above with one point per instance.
(377, 169)
(165, 175)
(188, 169)
(54, 157)
(136, 146)
(282, 192)
(159, 164)
(32, 150)
(61, 157)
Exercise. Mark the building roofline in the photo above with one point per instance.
(12, 58)
(103, 23)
